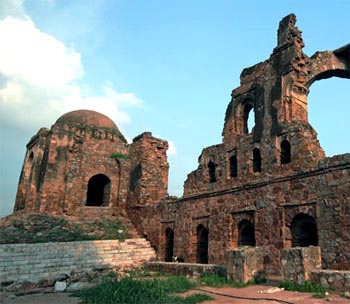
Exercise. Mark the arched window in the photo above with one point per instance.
(98, 192)
(256, 160)
(202, 244)
(233, 166)
(169, 245)
(248, 118)
(285, 152)
(304, 231)
(212, 174)
(246, 232)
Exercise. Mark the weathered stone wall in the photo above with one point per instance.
(149, 170)
(331, 279)
(297, 263)
(186, 269)
(84, 146)
(34, 262)
(244, 264)
(269, 204)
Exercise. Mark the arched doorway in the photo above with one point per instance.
(248, 117)
(285, 152)
(212, 174)
(246, 232)
(202, 244)
(99, 188)
(169, 245)
(233, 166)
(256, 160)
(304, 231)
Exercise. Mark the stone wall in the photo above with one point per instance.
(186, 269)
(270, 204)
(297, 263)
(244, 264)
(331, 279)
(34, 262)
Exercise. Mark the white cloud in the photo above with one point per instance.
(172, 149)
(38, 79)
(12, 8)
(36, 57)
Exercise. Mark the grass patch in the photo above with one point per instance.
(129, 290)
(40, 228)
(214, 280)
(119, 155)
(307, 286)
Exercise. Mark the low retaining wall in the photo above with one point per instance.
(298, 262)
(186, 269)
(34, 262)
(332, 279)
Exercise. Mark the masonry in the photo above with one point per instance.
(34, 262)
(268, 184)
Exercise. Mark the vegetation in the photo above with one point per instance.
(307, 286)
(214, 280)
(40, 228)
(134, 290)
(119, 155)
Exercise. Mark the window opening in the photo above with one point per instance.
(233, 166)
(246, 232)
(98, 192)
(256, 160)
(169, 245)
(212, 174)
(304, 231)
(202, 244)
(248, 118)
(285, 152)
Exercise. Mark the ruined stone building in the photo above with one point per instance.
(269, 186)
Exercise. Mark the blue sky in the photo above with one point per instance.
(162, 66)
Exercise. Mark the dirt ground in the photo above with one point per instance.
(225, 295)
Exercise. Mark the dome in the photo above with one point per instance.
(87, 117)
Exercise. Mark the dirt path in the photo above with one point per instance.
(225, 295)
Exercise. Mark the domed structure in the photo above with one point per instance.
(87, 117)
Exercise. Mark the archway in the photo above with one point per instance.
(98, 192)
(202, 244)
(256, 160)
(304, 231)
(169, 245)
(285, 152)
(233, 166)
(212, 174)
(248, 117)
(328, 114)
(246, 232)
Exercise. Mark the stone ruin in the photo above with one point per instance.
(270, 186)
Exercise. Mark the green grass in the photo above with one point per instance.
(119, 155)
(307, 286)
(130, 290)
(214, 280)
(44, 228)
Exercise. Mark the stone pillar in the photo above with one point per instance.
(298, 262)
(244, 264)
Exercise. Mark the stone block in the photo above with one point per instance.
(297, 263)
(60, 286)
(244, 264)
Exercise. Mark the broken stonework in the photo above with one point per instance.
(244, 264)
(298, 263)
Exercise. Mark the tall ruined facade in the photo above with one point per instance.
(269, 185)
